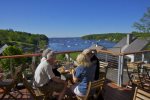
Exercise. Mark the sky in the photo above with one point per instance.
(71, 18)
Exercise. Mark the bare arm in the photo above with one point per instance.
(75, 79)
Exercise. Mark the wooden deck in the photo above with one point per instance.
(25, 95)
(110, 92)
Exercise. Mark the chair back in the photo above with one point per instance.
(10, 84)
(141, 95)
(27, 85)
(95, 85)
(34, 92)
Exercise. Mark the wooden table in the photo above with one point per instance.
(65, 74)
(133, 70)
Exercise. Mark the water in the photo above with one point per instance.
(68, 44)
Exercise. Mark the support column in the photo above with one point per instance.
(120, 70)
(33, 66)
(11, 67)
(143, 57)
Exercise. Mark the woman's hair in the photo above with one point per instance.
(45, 52)
(82, 60)
(86, 51)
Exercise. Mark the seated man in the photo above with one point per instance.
(45, 79)
(54, 68)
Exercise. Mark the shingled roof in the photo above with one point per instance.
(135, 45)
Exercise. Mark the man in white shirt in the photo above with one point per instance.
(45, 79)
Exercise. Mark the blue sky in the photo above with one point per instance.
(71, 18)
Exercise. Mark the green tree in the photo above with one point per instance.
(144, 24)
(14, 62)
(42, 44)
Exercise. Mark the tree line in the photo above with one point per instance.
(115, 37)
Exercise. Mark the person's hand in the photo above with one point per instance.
(61, 69)
(67, 71)
(72, 71)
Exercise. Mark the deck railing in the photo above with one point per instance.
(119, 62)
(115, 60)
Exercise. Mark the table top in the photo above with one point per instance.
(134, 64)
(64, 70)
(146, 65)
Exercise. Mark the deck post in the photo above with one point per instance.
(106, 58)
(33, 63)
(143, 57)
(11, 67)
(120, 70)
(67, 56)
(142, 61)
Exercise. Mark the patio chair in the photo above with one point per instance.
(37, 95)
(132, 72)
(9, 85)
(6, 86)
(103, 69)
(95, 85)
(141, 95)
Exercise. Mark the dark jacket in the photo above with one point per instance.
(95, 59)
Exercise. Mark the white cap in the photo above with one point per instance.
(51, 54)
(45, 52)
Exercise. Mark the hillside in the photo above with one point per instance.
(26, 41)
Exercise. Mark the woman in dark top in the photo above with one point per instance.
(94, 60)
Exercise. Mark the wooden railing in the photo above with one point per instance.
(114, 60)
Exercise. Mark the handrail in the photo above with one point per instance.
(108, 52)
(135, 52)
(31, 55)
(99, 51)
(19, 56)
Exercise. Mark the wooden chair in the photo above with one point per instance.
(6, 86)
(37, 95)
(9, 85)
(104, 67)
(141, 95)
(95, 85)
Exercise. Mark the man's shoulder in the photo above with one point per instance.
(44, 64)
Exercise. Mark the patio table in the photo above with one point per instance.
(134, 70)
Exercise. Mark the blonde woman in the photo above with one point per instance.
(82, 75)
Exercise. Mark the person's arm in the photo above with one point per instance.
(75, 79)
